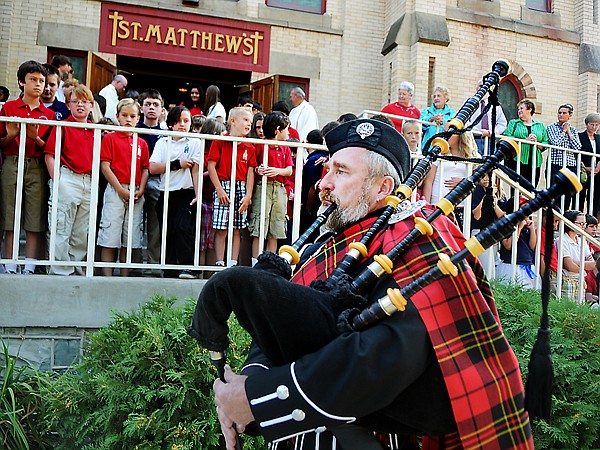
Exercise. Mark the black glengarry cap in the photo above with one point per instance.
(375, 136)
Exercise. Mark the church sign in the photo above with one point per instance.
(187, 38)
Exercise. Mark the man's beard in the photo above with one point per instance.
(341, 217)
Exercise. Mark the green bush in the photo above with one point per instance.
(575, 343)
(143, 384)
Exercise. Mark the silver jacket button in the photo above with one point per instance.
(298, 415)
(283, 392)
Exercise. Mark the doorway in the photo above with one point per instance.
(173, 80)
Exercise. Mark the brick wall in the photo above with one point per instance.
(353, 73)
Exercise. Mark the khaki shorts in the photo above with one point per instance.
(275, 211)
(34, 202)
(113, 232)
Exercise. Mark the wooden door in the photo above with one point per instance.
(265, 92)
(99, 72)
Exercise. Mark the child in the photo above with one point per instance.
(74, 178)
(31, 76)
(197, 122)
(115, 162)
(152, 103)
(485, 212)
(183, 155)
(571, 245)
(413, 133)
(591, 228)
(207, 232)
(279, 166)
(437, 184)
(527, 240)
(219, 170)
(311, 175)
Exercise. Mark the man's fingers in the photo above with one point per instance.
(228, 372)
(229, 432)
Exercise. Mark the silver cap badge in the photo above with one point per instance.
(365, 129)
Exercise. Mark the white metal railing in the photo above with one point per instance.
(585, 238)
(90, 262)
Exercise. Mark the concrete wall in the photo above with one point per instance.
(45, 319)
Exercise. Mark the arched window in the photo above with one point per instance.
(509, 94)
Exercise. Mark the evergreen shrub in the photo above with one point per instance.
(143, 383)
(575, 344)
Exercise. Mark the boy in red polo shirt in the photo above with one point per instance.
(115, 162)
(74, 179)
(219, 170)
(32, 80)
(279, 166)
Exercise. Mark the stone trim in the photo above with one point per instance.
(589, 58)
(516, 26)
(417, 27)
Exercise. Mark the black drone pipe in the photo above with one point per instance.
(382, 264)
(566, 183)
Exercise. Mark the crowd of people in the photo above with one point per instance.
(448, 394)
(489, 202)
(164, 192)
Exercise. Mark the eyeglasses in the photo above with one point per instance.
(80, 102)
(581, 224)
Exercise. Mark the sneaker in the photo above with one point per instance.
(27, 272)
(188, 275)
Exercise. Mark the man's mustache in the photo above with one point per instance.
(325, 196)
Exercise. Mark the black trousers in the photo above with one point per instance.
(180, 244)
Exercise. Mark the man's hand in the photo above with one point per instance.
(232, 405)
(228, 430)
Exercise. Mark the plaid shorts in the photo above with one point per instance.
(221, 212)
(570, 288)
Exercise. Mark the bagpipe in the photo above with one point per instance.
(287, 321)
(333, 296)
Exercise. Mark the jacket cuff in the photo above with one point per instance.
(282, 409)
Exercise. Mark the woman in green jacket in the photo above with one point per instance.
(526, 128)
